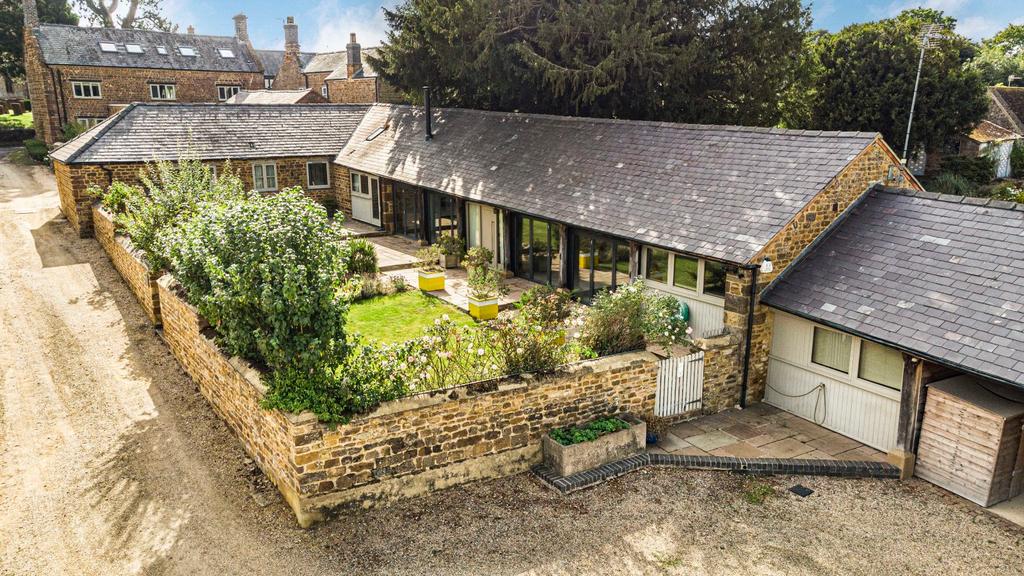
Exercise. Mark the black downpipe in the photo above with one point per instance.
(427, 113)
(750, 335)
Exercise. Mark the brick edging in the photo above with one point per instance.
(766, 466)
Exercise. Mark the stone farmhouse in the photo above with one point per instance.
(819, 276)
(83, 75)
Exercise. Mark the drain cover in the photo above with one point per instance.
(801, 490)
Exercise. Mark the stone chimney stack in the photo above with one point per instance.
(291, 35)
(241, 27)
(289, 76)
(355, 55)
(191, 30)
(31, 14)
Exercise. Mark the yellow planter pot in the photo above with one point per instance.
(483, 309)
(431, 281)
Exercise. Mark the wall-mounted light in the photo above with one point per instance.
(766, 265)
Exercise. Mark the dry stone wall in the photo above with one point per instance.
(406, 447)
(129, 262)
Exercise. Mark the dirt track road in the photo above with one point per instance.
(112, 463)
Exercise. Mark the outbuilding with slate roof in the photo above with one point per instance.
(907, 291)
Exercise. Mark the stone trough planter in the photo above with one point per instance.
(575, 458)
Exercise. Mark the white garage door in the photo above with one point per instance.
(836, 380)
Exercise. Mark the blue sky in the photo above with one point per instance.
(325, 24)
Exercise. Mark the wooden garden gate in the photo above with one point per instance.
(680, 385)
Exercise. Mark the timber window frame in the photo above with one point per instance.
(226, 91)
(163, 91)
(325, 183)
(86, 90)
(264, 176)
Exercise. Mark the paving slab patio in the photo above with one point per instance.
(761, 431)
(456, 290)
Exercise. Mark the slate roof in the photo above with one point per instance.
(270, 96)
(148, 131)
(367, 71)
(717, 191)
(938, 276)
(987, 131)
(1007, 107)
(80, 46)
(326, 62)
(272, 60)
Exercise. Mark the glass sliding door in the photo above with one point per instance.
(601, 263)
(538, 248)
(408, 212)
(443, 216)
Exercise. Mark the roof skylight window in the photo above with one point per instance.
(108, 47)
(226, 53)
(187, 50)
(161, 50)
(376, 133)
(133, 48)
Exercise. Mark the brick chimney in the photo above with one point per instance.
(191, 30)
(31, 14)
(241, 27)
(355, 55)
(290, 77)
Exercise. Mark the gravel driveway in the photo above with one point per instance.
(112, 463)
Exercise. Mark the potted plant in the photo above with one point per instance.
(452, 248)
(431, 273)
(477, 257)
(486, 286)
(576, 449)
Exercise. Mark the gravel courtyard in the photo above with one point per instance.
(112, 463)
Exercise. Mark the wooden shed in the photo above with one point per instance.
(970, 441)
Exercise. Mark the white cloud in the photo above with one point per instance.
(336, 21)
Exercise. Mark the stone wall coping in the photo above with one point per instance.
(715, 342)
(424, 399)
(504, 384)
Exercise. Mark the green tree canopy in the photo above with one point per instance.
(1001, 56)
(716, 61)
(865, 81)
(12, 24)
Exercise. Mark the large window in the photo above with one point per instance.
(831, 349)
(601, 263)
(317, 175)
(86, 89)
(880, 364)
(687, 273)
(163, 91)
(264, 177)
(538, 250)
(89, 121)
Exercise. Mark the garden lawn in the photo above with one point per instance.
(399, 317)
(19, 121)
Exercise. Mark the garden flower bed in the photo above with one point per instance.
(572, 450)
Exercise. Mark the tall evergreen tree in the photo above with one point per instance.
(12, 25)
(866, 81)
(722, 61)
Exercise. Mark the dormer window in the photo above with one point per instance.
(187, 50)
(161, 50)
(226, 53)
(108, 47)
(133, 48)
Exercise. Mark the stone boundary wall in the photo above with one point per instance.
(129, 262)
(406, 447)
